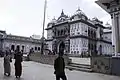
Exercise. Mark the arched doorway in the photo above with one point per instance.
(13, 47)
(23, 48)
(61, 46)
(18, 47)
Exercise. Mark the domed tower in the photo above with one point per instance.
(51, 23)
(62, 17)
(79, 15)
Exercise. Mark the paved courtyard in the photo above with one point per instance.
(37, 71)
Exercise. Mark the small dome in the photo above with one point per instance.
(95, 19)
(62, 17)
(79, 13)
(1, 33)
(108, 25)
(53, 20)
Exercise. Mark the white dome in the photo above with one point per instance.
(108, 25)
(53, 20)
(79, 12)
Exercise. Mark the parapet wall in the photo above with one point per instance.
(106, 65)
(47, 59)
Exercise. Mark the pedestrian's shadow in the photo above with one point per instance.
(7, 77)
(19, 79)
(11, 78)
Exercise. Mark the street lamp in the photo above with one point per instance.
(42, 39)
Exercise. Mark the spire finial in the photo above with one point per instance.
(54, 17)
(62, 12)
(107, 23)
(78, 8)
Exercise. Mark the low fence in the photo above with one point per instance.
(47, 59)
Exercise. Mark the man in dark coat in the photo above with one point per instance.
(18, 65)
(59, 65)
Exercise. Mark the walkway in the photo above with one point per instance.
(37, 71)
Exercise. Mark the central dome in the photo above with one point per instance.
(79, 14)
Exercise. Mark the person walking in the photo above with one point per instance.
(18, 64)
(59, 65)
(7, 60)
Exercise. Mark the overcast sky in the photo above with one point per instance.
(25, 17)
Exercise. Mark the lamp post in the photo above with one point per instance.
(42, 45)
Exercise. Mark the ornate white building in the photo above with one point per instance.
(79, 34)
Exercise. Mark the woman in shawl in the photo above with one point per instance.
(18, 65)
(7, 67)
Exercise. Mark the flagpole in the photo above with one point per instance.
(42, 45)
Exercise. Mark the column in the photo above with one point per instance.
(116, 26)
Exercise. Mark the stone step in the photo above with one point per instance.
(80, 66)
(78, 69)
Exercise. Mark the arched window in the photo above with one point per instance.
(38, 48)
(61, 32)
(35, 48)
(64, 31)
(94, 34)
(92, 46)
(23, 48)
(58, 33)
(18, 47)
(91, 34)
(88, 32)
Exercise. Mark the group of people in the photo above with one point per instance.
(8, 59)
(59, 64)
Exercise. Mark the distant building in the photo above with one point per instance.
(23, 43)
(79, 34)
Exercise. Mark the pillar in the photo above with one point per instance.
(116, 31)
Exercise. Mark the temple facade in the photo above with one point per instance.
(80, 35)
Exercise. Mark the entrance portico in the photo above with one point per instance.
(113, 8)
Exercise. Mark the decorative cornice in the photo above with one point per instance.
(107, 32)
(63, 36)
(83, 21)
(100, 25)
(82, 36)
(21, 38)
(61, 23)
(48, 28)
(49, 40)
(104, 41)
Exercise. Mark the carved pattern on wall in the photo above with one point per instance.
(101, 65)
